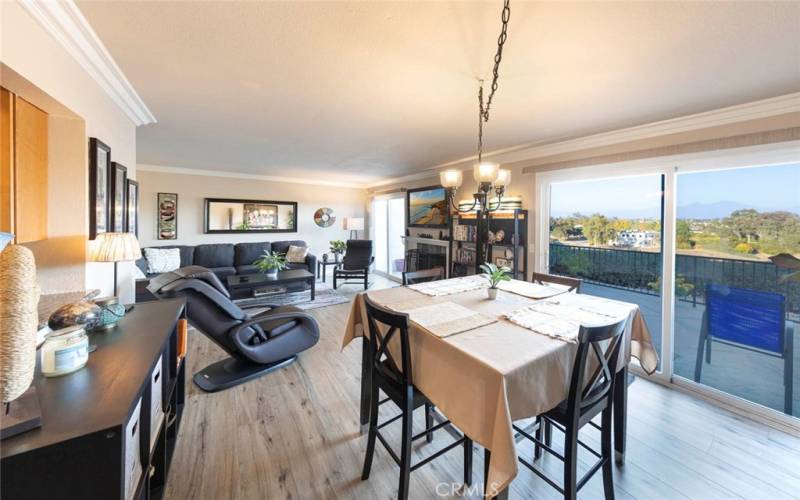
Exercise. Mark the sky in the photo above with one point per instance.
(765, 188)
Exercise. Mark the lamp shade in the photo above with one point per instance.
(115, 247)
(450, 178)
(354, 223)
(503, 178)
(485, 172)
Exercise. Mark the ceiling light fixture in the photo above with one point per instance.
(489, 176)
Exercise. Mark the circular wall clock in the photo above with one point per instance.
(324, 217)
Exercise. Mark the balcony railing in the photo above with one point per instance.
(640, 271)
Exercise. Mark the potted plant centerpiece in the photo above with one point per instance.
(337, 248)
(271, 262)
(495, 275)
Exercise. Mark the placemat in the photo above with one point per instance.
(533, 290)
(557, 319)
(451, 286)
(443, 319)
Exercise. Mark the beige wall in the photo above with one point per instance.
(37, 68)
(192, 189)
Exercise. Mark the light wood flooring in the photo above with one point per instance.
(295, 434)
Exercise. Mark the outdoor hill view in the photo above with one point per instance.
(744, 233)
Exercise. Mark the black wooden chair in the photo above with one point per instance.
(748, 319)
(574, 284)
(397, 383)
(412, 277)
(355, 264)
(584, 402)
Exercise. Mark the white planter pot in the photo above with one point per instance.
(492, 293)
(272, 272)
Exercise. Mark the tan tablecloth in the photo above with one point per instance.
(485, 378)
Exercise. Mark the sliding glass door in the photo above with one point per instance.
(388, 223)
(737, 311)
(607, 232)
(708, 246)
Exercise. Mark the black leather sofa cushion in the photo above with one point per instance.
(247, 253)
(297, 265)
(223, 272)
(214, 255)
(283, 246)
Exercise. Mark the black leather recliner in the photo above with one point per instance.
(257, 345)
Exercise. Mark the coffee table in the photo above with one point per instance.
(248, 285)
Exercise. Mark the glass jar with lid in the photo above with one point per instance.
(64, 351)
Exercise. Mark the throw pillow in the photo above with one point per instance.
(162, 260)
(296, 255)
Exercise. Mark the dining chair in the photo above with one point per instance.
(584, 402)
(543, 279)
(412, 277)
(747, 319)
(398, 385)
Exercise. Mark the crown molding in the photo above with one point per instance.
(66, 24)
(775, 106)
(239, 175)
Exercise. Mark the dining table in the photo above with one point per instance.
(485, 363)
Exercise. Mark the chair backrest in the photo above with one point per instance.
(574, 284)
(585, 393)
(394, 324)
(409, 278)
(747, 317)
(358, 255)
(208, 304)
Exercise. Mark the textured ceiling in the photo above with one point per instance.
(360, 91)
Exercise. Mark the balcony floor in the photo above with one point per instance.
(749, 375)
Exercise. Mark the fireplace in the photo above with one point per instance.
(426, 256)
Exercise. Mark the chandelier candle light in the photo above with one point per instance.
(489, 176)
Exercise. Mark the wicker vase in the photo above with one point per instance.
(19, 298)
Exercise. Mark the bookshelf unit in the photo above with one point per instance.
(512, 225)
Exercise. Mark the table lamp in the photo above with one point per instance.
(354, 225)
(115, 247)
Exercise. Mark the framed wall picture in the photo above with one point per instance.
(132, 216)
(261, 216)
(167, 226)
(99, 200)
(118, 196)
(427, 207)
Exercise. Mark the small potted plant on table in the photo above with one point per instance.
(337, 248)
(495, 275)
(270, 263)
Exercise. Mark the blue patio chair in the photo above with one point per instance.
(748, 319)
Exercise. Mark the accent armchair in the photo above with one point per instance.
(356, 263)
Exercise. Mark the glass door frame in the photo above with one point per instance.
(386, 197)
(669, 167)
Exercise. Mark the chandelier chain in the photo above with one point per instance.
(483, 115)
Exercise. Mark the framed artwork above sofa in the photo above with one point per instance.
(226, 215)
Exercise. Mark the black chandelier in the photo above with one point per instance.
(488, 176)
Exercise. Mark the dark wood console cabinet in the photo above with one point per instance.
(117, 417)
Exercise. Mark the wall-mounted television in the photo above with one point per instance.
(427, 207)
